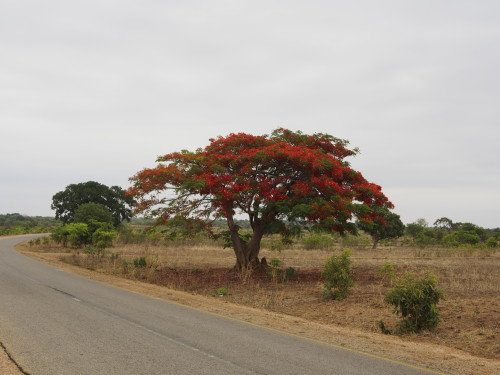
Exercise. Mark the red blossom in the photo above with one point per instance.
(259, 176)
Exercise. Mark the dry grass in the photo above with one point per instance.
(469, 278)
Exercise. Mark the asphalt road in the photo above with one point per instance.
(54, 322)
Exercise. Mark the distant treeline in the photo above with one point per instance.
(11, 224)
(445, 232)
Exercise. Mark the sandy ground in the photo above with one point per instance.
(7, 367)
(439, 359)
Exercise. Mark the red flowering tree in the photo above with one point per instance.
(279, 181)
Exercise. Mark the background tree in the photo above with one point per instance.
(87, 212)
(66, 202)
(278, 181)
(417, 227)
(444, 224)
(387, 225)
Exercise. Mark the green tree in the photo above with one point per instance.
(469, 227)
(279, 181)
(417, 227)
(87, 212)
(444, 224)
(66, 202)
(388, 225)
(428, 236)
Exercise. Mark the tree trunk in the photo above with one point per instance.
(375, 242)
(247, 253)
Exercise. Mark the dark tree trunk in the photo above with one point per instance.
(247, 253)
(375, 242)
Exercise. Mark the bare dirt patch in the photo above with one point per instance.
(7, 366)
(465, 342)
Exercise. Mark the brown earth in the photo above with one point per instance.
(465, 342)
(7, 367)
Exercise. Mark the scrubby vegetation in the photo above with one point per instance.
(446, 233)
(12, 224)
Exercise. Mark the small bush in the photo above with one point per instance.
(90, 250)
(383, 328)
(140, 262)
(386, 272)
(337, 275)
(60, 235)
(492, 242)
(290, 273)
(222, 291)
(275, 262)
(103, 238)
(415, 299)
(78, 234)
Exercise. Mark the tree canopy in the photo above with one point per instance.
(388, 225)
(278, 181)
(87, 212)
(66, 202)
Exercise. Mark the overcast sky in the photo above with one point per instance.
(97, 89)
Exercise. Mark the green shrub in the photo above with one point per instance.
(337, 276)
(60, 235)
(386, 272)
(275, 262)
(277, 273)
(289, 273)
(78, 234)
(492, 242)
(90, 250)
(415, 299)
(103, 238)
(222, 291)
(383, 328)
(140, 262)
(460, 238)
(317, 241)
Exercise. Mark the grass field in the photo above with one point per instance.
(469, 278)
